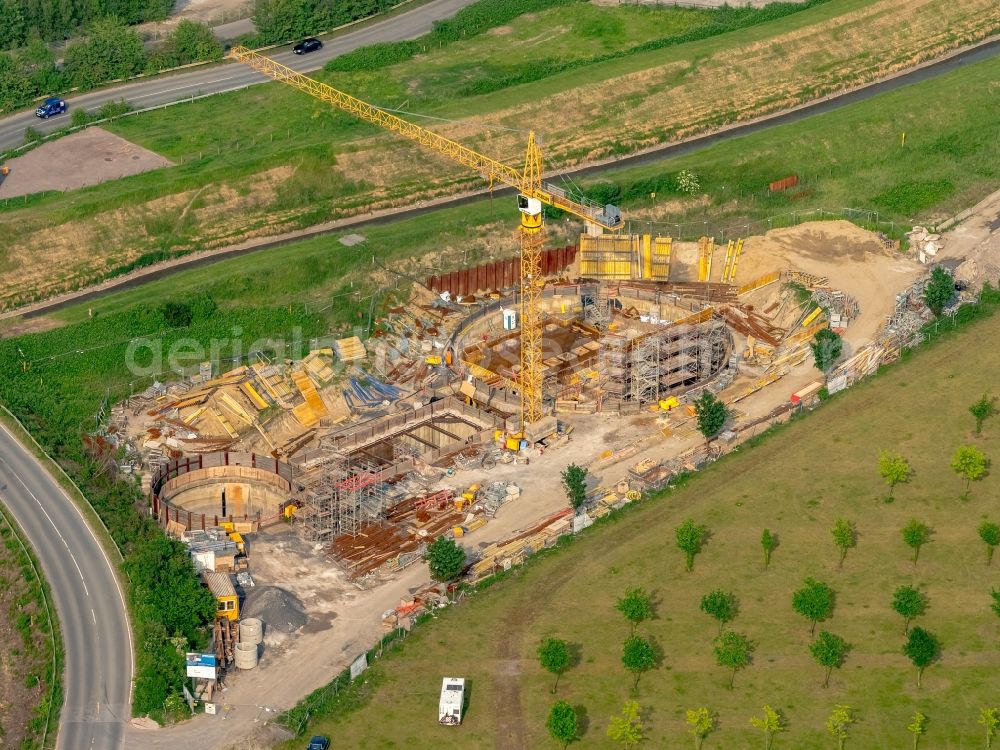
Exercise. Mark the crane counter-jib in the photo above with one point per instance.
(491, 169)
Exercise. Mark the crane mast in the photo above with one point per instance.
(532, 194)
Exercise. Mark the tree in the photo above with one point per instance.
(826, 348)
(982, 410)
(771, 723)
(916, 535)
(711, 414)
(768, 543)
(563, 723)
(690, 537)
(445, 558)
(922, 648)
(908, 602)
(990, 534)
(190, 42)
(574, 480)
(721, 605)
(918, 728)
(839, 723)
(995, 606)
(829, 651)
(110, 50)
(733, 651)
(636, 606)
(989, 718)
(702, 722)
(814, 601)
(894, 469)
(627, 728)
(553, 655)
(638, 656)
(970, 464)
(939, 291)
(845, 537)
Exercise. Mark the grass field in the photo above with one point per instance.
(849, 157)
(264, 160)
(796, 483)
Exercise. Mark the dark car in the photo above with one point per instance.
(50, 107)
(307, 45)
(319, 743)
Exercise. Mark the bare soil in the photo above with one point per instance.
(87, 157)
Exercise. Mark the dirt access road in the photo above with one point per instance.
(87, 157)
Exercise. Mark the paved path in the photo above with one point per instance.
(88, 600)
(230, 76)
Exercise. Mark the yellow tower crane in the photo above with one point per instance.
(532, 194)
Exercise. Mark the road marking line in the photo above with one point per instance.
(93, 535)
(181, 88)
(54, 528)
(94, 615)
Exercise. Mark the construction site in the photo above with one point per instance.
(451, 415)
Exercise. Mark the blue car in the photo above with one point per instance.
(319, 743)
(50, 107)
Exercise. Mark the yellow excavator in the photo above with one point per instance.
(533, 194)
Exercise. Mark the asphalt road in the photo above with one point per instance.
(215, 78)
(91, 609)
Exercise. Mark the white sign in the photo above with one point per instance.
(210, 709)
(201, 665)
(360, 665)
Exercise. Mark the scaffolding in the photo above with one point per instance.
(350, 494)
(665, 360)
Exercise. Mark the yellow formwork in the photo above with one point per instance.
(625, 257)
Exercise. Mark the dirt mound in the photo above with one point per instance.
(280, 610)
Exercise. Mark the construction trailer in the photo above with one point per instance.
(452, 700)
(227, 602)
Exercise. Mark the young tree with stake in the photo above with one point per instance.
(989, 718)
(690, 537)
(894, 469)
(982, 410)
(701, 723)
(626, 728)
(922, 649)
(829, 651)
(721, 605)
(733, 651)
(771, 724)
(636, 606)
(970, 464)
(839, 723)
(908, 602)
(814, 601)
(990, 534)
(638, 656)
(574, 480)
(845, 537)
(918, 728)
(563, 723)
(915, 536)
(553, 655)
(768, 543)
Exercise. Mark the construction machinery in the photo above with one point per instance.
(533, 194)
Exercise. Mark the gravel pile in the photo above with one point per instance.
(280, 610)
